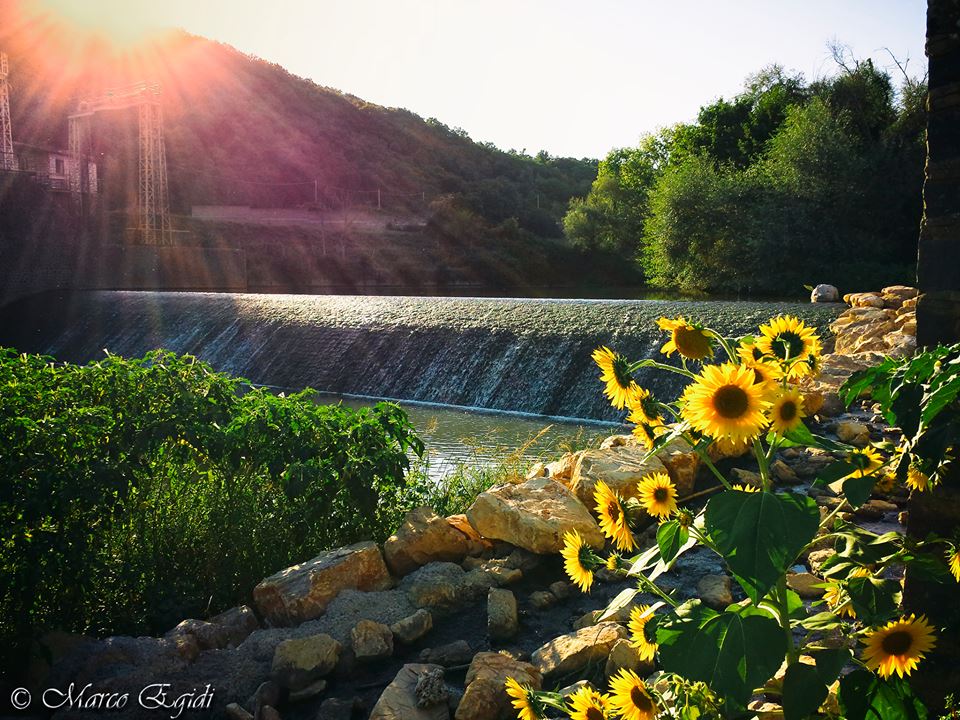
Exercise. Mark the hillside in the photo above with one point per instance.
(240, 130)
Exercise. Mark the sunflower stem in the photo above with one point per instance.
(764, 464)
(659, 366)
(713, 468)
(725, 343)
(792, 653)
(654, 590)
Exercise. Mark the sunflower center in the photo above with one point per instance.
(594, 714)
(640, 699)
(897, 643)
(620, 371)
(731, 401)
(788, 345)
(691, 342)
(788, 411)
(660, 494)
(758, 377)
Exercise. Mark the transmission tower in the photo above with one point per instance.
(153, 202)
(8, 160)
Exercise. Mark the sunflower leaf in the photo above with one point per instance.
(671, 536)
(803, 691)
(760, 534)
(821, 621)
(732, 653)
(830, 662)
(865, 696)
(858, 489)
(874, 600)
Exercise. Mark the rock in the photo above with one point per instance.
(816, 558)
(903, 517)
(561, 470)
(423, 537)
(302, 592)
(339, 709)
(352, 606)
(805, 584)
(541, 599)
(485, 698)
(399, 701)
(533, 515)
(299, 661)
(864, 300)
(538, 469)
(187, 647)
(238, 622)
(560, 589)
(449, 655)
(431, 689)
(574, 651)
(747, 477)
(501, 614)
(208, 635)
(478, 543)
(235, 712)
(682, 464)
(371, 640)
(624, 656)
(621, 468)
(268, 712)
(309, 692)
(824, 294)
(412, 628)
(853, 432)
(267, 693)
(578, 685)
(875, 509)
(714, 590)
(523, 560)
(443, 585)
(784, 473)
(832, 405)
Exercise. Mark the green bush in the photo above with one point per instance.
(139, 492)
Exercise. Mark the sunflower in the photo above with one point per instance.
(726, 448)
(615, 373)
(836, 596)
(643, 408)
(917, 480)
(790, 340)
(613, 562)
(787, 411)
(865, 460)
(640, 615)
(689, 340)
(764, 370)
(898, 646)
(524, 700)
(613, 520)
(658, 495)
(577, 560)
(745, 488)
(587, 704)
(646, 435)
(953, 558)
(723, 402)
(629, 697)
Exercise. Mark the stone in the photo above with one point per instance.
(309, 692)
(832, 405)
(297, 662)
(339, 709)
(438, 585)
(484, 697)
(715, 592)
(622, 656)
(784, 473)
(267, 693)
(682, 464)
(423, 537)
(478, 543)
(371, 640)
(533, 515)
(352, 606)
(268, 712)
(805, 584)
(864, 300)
(235, 711)
(238, 622)
(561, 470)
(449, 655)
(523, 560)
(572, 652)
(302, 592)
(575, 687)
(538, 469)
(560, 589)
(412, 628)
(187, 647)
(209, 636)
(747, 477)
(824, 294)
(816, 558)
(541, 599)
(399, 700)
(621, 468)
(502, 619)
(431, 688)
(853, 432)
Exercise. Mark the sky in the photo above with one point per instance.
(570, 77)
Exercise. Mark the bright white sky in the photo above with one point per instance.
(575, 78)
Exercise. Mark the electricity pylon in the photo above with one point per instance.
(8, 160)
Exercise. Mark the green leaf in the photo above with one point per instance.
(623, 598)
(830, 662)
(671, 536)
(734, 654)
(865, 696)
(874, 600)
(833, 472)
(821, 621)
(801, 435)
(803, 691)
(760, 534)
(858, 489)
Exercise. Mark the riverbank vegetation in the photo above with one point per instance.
(818, 180)
(140, 492)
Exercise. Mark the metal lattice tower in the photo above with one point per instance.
(153, 201)
(8, 160)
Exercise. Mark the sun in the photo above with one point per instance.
(121, 23)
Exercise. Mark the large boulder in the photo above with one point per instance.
(824, 293)
(424, 537)
(399, 699)
(620, 467)
(501, 614)
(302, 592)
(371, 640)
(533, 515)
(572, 652)
(485, 697)
(300, 661)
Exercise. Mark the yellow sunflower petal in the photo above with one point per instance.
(630, 698)
(573, 553)
(639, 617)
(724, 403)
(657, 495)
(613, 519)
(787, 411)
(898, 646)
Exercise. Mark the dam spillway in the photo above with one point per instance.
(522, 355)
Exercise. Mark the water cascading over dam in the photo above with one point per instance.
(506, 354)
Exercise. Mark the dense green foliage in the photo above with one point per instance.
(139, 492)
(786, 184)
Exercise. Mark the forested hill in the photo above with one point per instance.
(241, 130)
